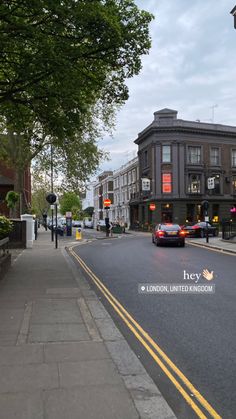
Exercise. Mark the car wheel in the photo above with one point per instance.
(157, 244)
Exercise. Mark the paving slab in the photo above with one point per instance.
(93, 402)
(58, 332)
(75, 351)
(25, 354)
(21, 406)
(28, 377)
(87, 373)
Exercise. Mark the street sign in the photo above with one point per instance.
(146, 184)
(107, 202)
(207, 219)
(152, 207)
(211, 183)
(51, 198)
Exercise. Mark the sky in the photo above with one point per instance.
(191, 68)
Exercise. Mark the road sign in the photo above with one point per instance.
(146, 184)
(51, 198)
(211, 183)
(107, 202)
(152, 207)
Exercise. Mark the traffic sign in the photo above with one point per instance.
(107, 202)
(152, 207)
(211, 183)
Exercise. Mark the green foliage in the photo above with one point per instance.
(88, 212)
(63, 69)
(12, 198)
(69, 202)
(6, 226)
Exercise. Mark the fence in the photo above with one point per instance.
(17, 237)
(5, 257)
(228, 230)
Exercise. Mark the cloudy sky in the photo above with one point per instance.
(191, 68)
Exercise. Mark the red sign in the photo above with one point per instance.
(107, 202)
(152, 207)
(166, 177)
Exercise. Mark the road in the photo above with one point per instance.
(196, 332)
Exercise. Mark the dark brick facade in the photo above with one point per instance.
(179, 157)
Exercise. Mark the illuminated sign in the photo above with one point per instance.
(107, 202)
(166, 182)
(152, 207)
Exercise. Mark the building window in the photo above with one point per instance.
(217, 188)
(194, 183)
(145, 159)
(234, 158)
(166, 154)
(234, 184)
(194, 155)
(190, 213)
(215, 156)
(166, 182)
(129, 175)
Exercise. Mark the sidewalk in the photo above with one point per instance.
(215, 243)
(61, 356)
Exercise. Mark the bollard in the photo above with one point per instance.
(78, 234)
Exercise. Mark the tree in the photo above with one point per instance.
(69, 202)
(88, 212)
(59, 58)
(41, 187)
(63, 68)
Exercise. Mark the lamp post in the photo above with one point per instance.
(51, 163)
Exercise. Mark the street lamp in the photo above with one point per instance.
(233, 12)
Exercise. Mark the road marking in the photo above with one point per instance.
(214, 249)
(128, 320)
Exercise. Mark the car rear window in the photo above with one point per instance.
(171, 227)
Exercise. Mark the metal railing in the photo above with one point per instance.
(228, 230)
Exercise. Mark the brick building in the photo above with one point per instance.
(7, 182)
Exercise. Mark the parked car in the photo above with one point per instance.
(77, 223)
(168, 234)
(199, 229)
(101, 224)
(88, 223)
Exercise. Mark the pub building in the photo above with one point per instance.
(182, 163)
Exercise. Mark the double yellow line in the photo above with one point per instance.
(159, 356)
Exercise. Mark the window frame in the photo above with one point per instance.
(162, 153)
(189, 154)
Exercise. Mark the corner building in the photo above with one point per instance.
(180, 158)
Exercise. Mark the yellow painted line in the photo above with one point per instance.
(117, 306)
(214, 249)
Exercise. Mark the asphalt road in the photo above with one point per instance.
(197, 332)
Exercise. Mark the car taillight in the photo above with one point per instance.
(161, 233)
(182, 233)
(196, 227)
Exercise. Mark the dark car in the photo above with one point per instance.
(200, 229)
(168, 234)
